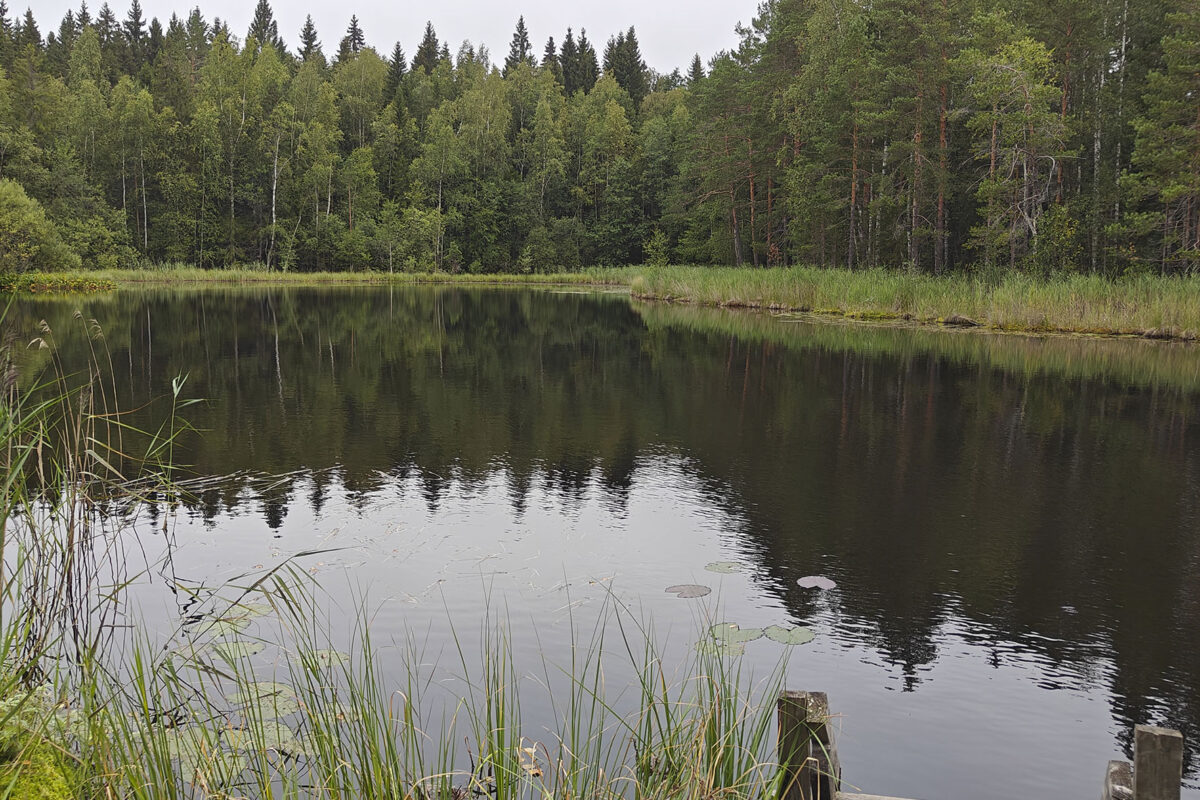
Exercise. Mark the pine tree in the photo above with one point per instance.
(521, 50)
(550, 60)
(310, 45)
(696, 73)
(397, 67)
(264, 29)
(427, 52)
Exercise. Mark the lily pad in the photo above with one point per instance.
(714, 648)
(223, 626)
(268, 700)
(322, 658)
(789, 636)
(816, 582)
(271, 735)
(689, 591)
(728, 633)
(250, 610)
(723, 567)
(237, 650)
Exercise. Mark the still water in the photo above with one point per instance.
(1013, 524)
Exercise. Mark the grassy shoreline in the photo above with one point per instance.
(1150, 307)
(1147, 306)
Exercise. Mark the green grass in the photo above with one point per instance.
(1144, 306)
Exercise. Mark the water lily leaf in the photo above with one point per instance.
(689, 591)
(322, 658)
(271, 735)
(723, 567)
(200, 754)
(250, 610)
(729, 633)
(237, 650)
(223, 626)
(816, 582)
(714, 648)
(789, 636)
(267, 700)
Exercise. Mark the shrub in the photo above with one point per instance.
(28, 240)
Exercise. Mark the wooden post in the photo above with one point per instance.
(807, 750)
(1118, 781)
(1157, 763)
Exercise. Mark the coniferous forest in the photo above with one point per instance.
(1046, 137)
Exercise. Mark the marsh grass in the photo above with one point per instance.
(1143, 306)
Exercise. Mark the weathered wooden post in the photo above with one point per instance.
(1157, 769)
(1157, 763)
(807, 750)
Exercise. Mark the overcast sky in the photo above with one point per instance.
(670, 31)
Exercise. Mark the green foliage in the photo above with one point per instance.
(28, 240)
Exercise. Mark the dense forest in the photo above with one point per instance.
(1044, 136)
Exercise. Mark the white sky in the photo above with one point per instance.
(669, 31)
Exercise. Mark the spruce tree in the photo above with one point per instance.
(6, 37)
(310, 45)
(589, 64)
(520, 50)
(623, 61)
(263, 27)
(397, 67)
(427, 52)
(352, 42)
(28, 34)
(135, 36)
(84, 17)
(568, 60)
(550, 60)
(696, 73)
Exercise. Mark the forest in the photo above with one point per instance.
(1044, 137)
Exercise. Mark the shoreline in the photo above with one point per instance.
(1166, 309)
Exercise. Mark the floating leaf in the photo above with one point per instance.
(322, 658)
(271, 735)
(728, 633)
(789, 636)
(250, 610)
(723, 567)
(268, 700)
(816, 582)
(237, 650)
(715, 648)
(689, 591)
(224, 626)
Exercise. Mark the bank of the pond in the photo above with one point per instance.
(1153, 307)
(1145, 306)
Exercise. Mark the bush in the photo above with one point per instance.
(28, 240)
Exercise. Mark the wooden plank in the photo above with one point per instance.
(795, 749)
(1118, 781)
(1157, 763)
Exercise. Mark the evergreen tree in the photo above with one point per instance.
(696, 72)
(6, 37)
(28, 34)
(550, 61)
(352, 42)
(135, 37)
(397, 68)
(264, 29)
(310, 45)
(84, 17)
(568, 60)
(521, 50)
(589, 65)
(427, 55)
(1165, 175)
(623, 60)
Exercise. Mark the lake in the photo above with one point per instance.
(1013, 523)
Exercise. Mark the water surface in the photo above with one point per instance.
(1013, 523)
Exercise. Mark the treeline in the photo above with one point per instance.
(1042, 136)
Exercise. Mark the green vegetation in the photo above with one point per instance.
(1037, 138)
(1145, 306)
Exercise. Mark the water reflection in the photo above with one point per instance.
(1035, 500)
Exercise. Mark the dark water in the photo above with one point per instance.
(1013, 524)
